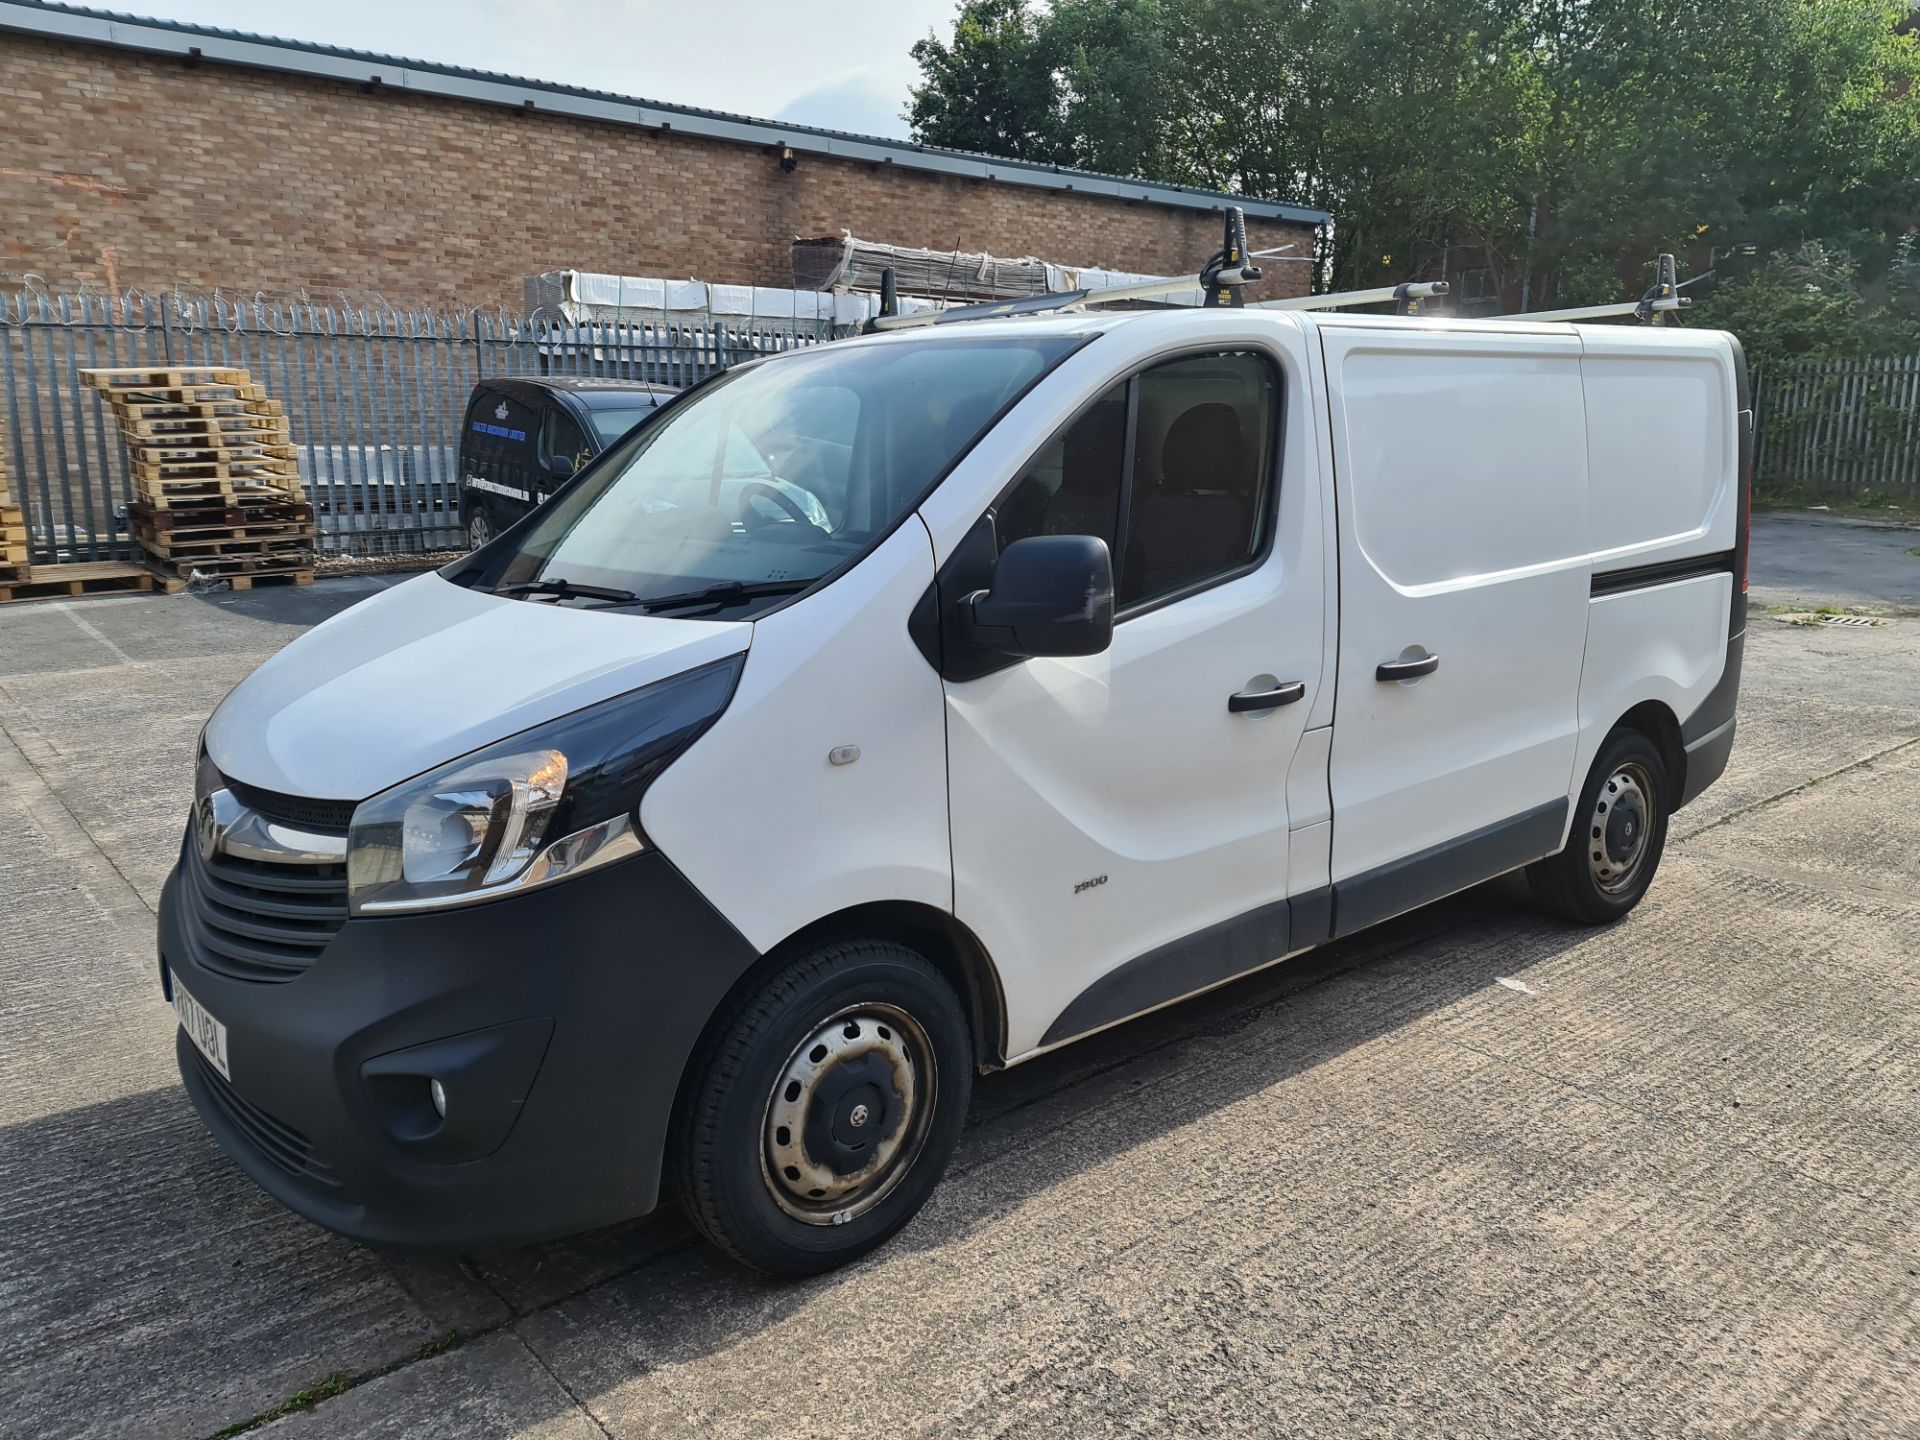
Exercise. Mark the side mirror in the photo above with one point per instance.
(560, 467)
(1051, 595)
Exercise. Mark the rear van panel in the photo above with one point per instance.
(1665, 524)
(498, 446)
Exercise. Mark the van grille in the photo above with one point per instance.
(297, 810)
(278, 1141)
(264, 923)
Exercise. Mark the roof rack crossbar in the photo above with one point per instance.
(1402, 294)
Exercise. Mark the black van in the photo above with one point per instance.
(524, 439)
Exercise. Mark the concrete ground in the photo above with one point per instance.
(1476, 1174)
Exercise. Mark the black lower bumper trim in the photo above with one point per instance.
(325, 1110)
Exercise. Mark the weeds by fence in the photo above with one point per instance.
(376, 397)
(1842, 429)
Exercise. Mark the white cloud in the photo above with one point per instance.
(867, 101)
(843, 66)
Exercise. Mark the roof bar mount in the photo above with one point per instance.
(1662, 298)
(1230, 267)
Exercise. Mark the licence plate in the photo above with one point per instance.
(208, 1034)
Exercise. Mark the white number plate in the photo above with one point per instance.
(206, 1032)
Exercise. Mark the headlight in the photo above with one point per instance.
(206, 775)
(548, 802)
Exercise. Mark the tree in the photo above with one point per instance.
(992, 89)
(1567, 141)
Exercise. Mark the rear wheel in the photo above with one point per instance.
(479, 527)
(1619, 834)
(822, 1110)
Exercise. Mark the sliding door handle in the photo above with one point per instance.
(1411, 669)
(1248, 700)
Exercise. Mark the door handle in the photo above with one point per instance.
(1248, 700)
(1407, 669)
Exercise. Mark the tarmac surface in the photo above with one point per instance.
(1477, 1173)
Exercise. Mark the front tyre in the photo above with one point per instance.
(822, 1109)
(1618, 836)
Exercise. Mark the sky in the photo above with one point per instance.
(842, 64)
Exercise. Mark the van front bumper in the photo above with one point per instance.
(559, 1022)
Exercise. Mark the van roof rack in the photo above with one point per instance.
(1227, 270)
(1662, 298)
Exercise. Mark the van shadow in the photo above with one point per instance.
(145, 1283)
(681, 1302)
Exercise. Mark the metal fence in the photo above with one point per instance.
(375, 398)
(1842, 428)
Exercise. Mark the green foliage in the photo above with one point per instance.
(1810, 302)
(1563, 141)
(991, 89)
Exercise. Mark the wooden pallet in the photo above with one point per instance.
(113, 378)
(224, 540)
(264, 468)
(248, 515)
(84, 579)
(280, 577)
(212, 450)
(170, 492)
(176, 494)
(189, 573)
(184, 394)
(245, 552)
(242, 428)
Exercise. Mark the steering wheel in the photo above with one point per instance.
(752, 519)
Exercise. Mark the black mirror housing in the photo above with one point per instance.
(560, 467)
(1051, 595)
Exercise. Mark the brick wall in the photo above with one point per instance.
(118, 169)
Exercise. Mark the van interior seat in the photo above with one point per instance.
(1195, 517)
(1088, 500)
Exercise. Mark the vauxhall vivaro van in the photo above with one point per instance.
(693, 836)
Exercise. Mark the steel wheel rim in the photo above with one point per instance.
(819, 1092)
(1620, 828)
(479, 531)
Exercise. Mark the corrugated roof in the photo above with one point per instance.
(236, 47)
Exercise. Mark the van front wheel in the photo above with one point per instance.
(822, 1109)
(1619, 833)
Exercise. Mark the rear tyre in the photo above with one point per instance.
(820, 1112)
(479, 527)
(1619, 834)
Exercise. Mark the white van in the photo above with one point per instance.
(675, 838)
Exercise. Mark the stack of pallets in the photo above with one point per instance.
(216, 488)
(13, 523)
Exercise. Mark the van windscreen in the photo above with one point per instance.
(766, 479)
(611, 424)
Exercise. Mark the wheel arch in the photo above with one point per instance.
(1655, 720)
(952, 948)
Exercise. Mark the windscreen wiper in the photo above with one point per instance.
(567, 590)
(725, 591)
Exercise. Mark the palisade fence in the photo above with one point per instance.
(1841, 428)
(376, 398)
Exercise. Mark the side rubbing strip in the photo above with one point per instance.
(1665, 572)
(1380, 894)
(1192, 963)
